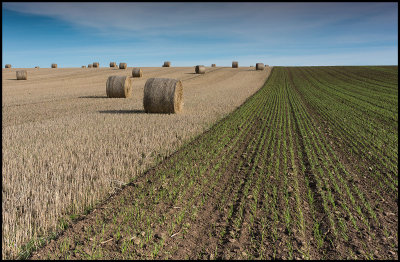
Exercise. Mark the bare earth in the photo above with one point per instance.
(67, 146)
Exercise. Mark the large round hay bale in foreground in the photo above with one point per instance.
(90, 65)
(235, 64)
(167, 64)
(113, 64)
(119, 87)
(137, 72)
(95, 64)
(200, 69)
(122, 65)
(53, 65)
(259, 66)
(7, 66)
(163, 95)
(213, 65)
(22, 75)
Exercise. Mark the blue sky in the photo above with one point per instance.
(192, 33)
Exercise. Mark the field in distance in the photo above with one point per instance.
(304, 169)
(66, 145)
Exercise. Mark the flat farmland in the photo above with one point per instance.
(66, 146)
(306, 168)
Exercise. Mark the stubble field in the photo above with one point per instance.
(67, 146)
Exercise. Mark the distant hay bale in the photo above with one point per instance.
(113, 64)
(137, 72)
(122, 65)
(37, 67)
(53, 65)
(259, 66)
(119, 87)
(22, 75)
(95, 64)
(90, 65)
(213, 65)
(83, 66)
(251, 66)
(200, 69)
(167, 64)
(235, 64)
(8, 66)
(163, 95)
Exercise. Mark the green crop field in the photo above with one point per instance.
(306, 168)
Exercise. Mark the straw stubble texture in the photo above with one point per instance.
(119, 87)
(163, 95)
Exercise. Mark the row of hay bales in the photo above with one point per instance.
(23, 74)
(235, 64)
(161, 95)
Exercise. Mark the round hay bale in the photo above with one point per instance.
(167, 64)
(113, 64)
(235, 64)
(119, 87)
(53, 65)
(163, 95)
(122, 65)
(83, 66)
(137, 72)
(200, 69)
(213, 65)
(7, 66)
(96, 64)
(37, 67)
(90, 65)
(259, 66)
(22, 75)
